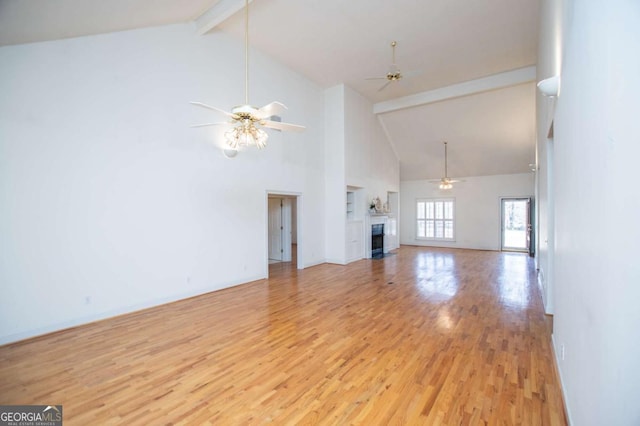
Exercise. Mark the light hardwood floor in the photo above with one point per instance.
(427, 336)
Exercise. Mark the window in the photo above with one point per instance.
(435, 219)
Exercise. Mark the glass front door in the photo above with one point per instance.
(516, 224)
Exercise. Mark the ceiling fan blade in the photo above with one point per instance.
(412, 73)
(282, 126)
(384, 85)
(447, 180)
(274, 108)
(200, 104)
(222, 123)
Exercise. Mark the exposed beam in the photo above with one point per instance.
(217, 14)
(492, 82)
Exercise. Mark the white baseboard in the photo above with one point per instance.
(309, 265)
(28, 334)
(562, 387)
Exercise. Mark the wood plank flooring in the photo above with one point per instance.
(426, 336)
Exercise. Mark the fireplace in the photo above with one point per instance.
(377, 240)
(375, 228)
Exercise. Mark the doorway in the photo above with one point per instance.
(279, 230)
(516, 224)
(282, 230)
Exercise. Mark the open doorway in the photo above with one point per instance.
(279, 230)
(282, 231)
(516, 224)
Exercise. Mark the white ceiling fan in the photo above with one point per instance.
(394, 73)
(247, 119)
(446, 182)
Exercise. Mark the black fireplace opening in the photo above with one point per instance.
(377, 241)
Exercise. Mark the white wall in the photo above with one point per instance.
(335, 188)
(597, 206)
(549, 65)
(357, 154)
(109, 202)
(477, 211)
(370, 162)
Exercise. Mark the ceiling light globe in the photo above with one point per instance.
(446, 185)
(246, 134)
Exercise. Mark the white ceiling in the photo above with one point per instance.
(488, 133)
(40, 20)
(338, 41)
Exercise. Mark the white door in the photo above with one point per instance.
(275, 229)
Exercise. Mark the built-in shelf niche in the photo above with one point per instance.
(355, 203)
(351, 205)
(354, 244)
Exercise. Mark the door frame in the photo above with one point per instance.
(297, 196)
(529, 224)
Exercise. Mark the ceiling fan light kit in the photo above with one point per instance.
(245, 134)
(446, 182)
(246, 119)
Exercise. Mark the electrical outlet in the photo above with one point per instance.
(562, 352)
(87, 300)
(188, 279)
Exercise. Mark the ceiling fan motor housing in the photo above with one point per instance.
(394, 76)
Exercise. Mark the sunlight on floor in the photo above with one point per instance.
(513, 283)
(436, 275)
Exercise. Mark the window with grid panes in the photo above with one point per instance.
(435, 219)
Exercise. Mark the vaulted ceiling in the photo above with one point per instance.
(441, 43)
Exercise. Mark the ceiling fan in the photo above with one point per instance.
(446, 182)
(247, 119)
(394, 73)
